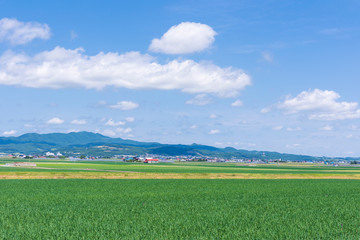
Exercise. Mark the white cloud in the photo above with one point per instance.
(28, 125)
(294, 145)
(200, 100)
(326, 128)
(193, 127)
(187, 37)
(73, 130)
(66, 68)
(9, 133)
(55, 120)
(322, 105)
(277, 128)
(354, 127)
(267, 57)
(73, 35)
(124, 130)
(109, 133)
(237, 103)
(214, 131)
(213, 116)
(265, 110)
(125, 105)
(17, 32)
(295, 129)
(112, 123)
(130, 119)
(330, 31)
(79, 121)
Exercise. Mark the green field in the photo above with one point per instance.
(179, 209)
(47, 169)
(182, 200)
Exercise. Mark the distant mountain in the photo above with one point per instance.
(95, 144)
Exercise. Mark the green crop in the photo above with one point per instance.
(179, 209)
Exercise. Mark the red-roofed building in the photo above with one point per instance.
(151, 160)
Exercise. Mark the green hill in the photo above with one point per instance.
(95, 144)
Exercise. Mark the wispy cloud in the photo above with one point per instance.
(125, 105)
(200, 100)
(293, 129)
(73, 35)
(214, 131)
(267, 56)
(112, 123)
(130, 119)
(237, 103)
(79, 121)
(213, 116)
(16, 32)
(326, 128)
(277, 128)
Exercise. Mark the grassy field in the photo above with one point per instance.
(116, 200)
(179, 209)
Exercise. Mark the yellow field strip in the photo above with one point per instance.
(108, 175)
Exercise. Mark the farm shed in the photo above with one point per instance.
(151, 160)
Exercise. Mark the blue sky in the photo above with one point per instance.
(258, 75)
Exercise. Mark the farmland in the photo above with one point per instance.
(47, 169)
(116, 200)
(179, 209)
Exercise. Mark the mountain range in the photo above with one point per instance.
(95, 144)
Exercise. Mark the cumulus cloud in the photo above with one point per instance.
(17, 33)
(200, 100)
(321, 105)
(214, 131)
(112, 123)
(124, 105)
(237, 103)
(79, 121)
(55, 120)
(187, 37)
(66, 68)
(9, 133)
